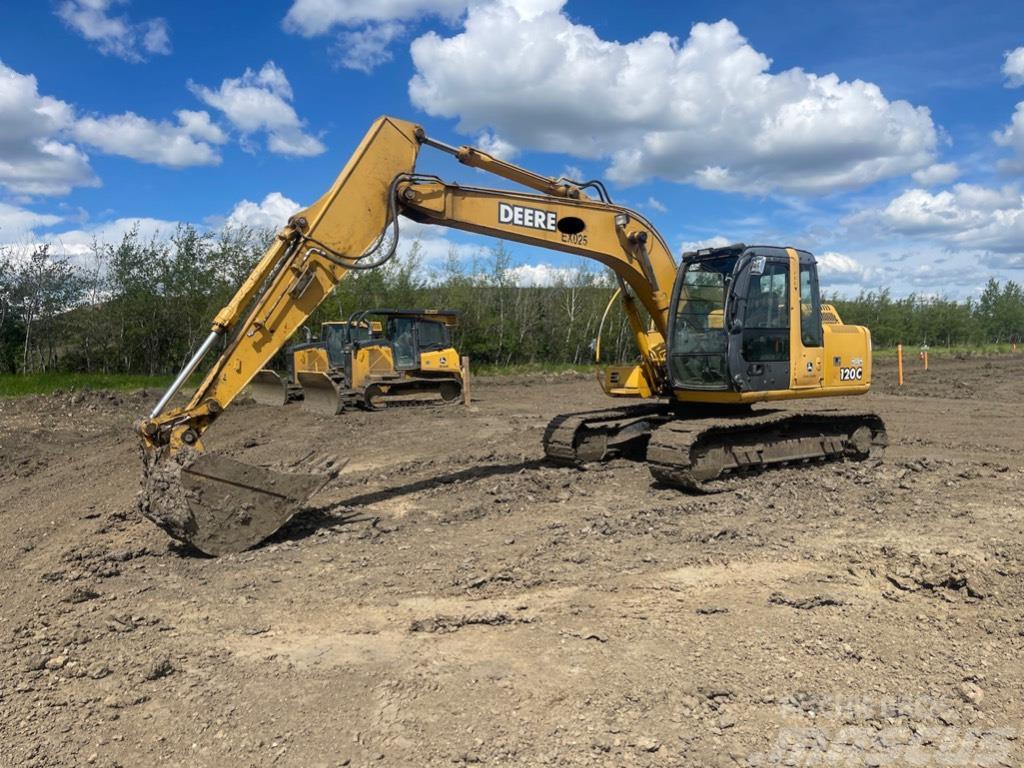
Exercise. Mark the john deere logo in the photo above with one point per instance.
(522, 216)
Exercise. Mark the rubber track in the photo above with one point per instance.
(684, 452)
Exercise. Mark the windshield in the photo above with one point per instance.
(432, 335)
(699, 340)
(359, 331)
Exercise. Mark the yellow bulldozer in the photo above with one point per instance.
(375, 357)
(720, 331)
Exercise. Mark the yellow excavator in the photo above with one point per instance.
(375, 357)
(722, 330)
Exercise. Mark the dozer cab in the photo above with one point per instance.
(725, 330)
(375, 357)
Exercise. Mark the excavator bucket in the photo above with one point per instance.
(320, 393)
(267, 388)
(219, 505)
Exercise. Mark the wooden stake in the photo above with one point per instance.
(926, 359)
(899, 364)
(465, 380)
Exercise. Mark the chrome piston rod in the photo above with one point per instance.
(186, 372)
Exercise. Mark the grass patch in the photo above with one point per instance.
(17, 385)
(979, 350)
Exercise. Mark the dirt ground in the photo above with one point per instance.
(451, 599)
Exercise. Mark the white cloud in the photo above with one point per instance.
(936, 174)
(199, 125)
(1013, 67)
(115, 35)
(655, 205)
(1012, 136)
(162, 143)
(434, 245)
(38, 156)
(78, 243)
(367, 48)
(272, 213)
(18, 223)
(317, 17)
(260, 101)
(711, 242)
(528, 275)
(368, 28)
(966, 217)
(34, 158)
(573, 173)
(706, 111)
(840, 269)
(494, 145)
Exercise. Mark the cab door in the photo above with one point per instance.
(760, 319)
(402, 335)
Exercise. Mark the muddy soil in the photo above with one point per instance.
(451, 599)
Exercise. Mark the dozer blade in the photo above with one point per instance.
(267, 388)
(219, 505)
(320, 394)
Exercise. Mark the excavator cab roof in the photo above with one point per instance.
(728, 255)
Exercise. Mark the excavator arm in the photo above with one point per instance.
(342, 231)
(220, 505)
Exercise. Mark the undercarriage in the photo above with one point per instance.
(698, 452)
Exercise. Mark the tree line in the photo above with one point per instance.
(142, 306)
(996, 316)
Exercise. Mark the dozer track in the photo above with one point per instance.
(573, 439)
(697, 454)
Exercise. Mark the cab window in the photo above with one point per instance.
(810, 307)
(766, 325)
(402, 333)
(432, 335)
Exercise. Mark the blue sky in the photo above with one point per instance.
(885, 137)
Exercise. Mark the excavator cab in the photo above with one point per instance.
(412, 335)
(749, 321)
